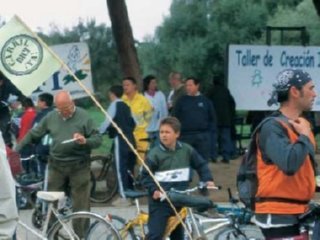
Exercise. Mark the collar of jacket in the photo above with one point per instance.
(164, 148)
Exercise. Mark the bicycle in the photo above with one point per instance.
(27, 185)
(136, 228)
(77, 225)
(310, 221)
(229, 223)
(104, 184)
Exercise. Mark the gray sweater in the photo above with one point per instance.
(63, 129)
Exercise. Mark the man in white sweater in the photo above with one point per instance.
(8, 207)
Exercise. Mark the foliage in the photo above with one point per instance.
(272, 5)
(194, 38)
(98, 118)
(304, 14)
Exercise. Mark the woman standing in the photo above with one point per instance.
(158, 101)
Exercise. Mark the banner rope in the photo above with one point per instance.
(141, 161)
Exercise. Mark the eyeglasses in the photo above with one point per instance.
(66, 109)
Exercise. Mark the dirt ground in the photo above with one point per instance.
(225, 176)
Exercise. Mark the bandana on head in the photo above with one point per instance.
(286, 79)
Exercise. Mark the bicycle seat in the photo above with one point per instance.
(135, 194)
(50, 196)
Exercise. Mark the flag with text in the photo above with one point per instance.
(25, 59)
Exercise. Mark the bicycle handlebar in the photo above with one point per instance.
(179, 199)
(200, 186)
(314, 210)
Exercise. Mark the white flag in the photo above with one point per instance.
(24, 59)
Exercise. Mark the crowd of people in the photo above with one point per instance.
(188, 129)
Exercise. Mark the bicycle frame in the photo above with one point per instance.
(65, 227)
(195, 221)
(141, 219)
(42, 235)
(198, 221)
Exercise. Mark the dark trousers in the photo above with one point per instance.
(158, 217)
(281, 232)
(201, 142)
(28, 162)
(77, 175)
(225, 142)
(122, 154)
(213, 144)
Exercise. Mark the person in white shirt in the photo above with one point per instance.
(177, 89)
(158, 102)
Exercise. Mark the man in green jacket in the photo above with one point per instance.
(73, 136)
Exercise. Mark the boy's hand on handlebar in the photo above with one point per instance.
(210, 184)
(157, 195)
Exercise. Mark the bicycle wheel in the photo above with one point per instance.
(120, 223)
(247, 232)
(104, 184)
(82, 225)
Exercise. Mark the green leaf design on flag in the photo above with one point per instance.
(79, 74)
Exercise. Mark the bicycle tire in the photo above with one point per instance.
(97, 228)
(119, 223)
(104, 184)
(251, 232)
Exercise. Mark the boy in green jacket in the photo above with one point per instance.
(170, 162)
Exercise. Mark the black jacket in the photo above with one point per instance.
(196, 114)
(7, 89)
(224, 105)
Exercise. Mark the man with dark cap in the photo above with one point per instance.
(7, 89)
(286, 167)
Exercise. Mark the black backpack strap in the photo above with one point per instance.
(279, 199)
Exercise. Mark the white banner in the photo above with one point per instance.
(253, 69)
(24, 59)
(76, 56)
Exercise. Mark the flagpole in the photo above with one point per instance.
(66, 67)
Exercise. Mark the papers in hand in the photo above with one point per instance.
(69, 140)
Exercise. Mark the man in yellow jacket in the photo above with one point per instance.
(141, 110)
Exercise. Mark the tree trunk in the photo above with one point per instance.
(316, 4)
(123, 36)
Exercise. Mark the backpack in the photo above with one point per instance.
(247, 180)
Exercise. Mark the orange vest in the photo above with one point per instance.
(273, 183)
